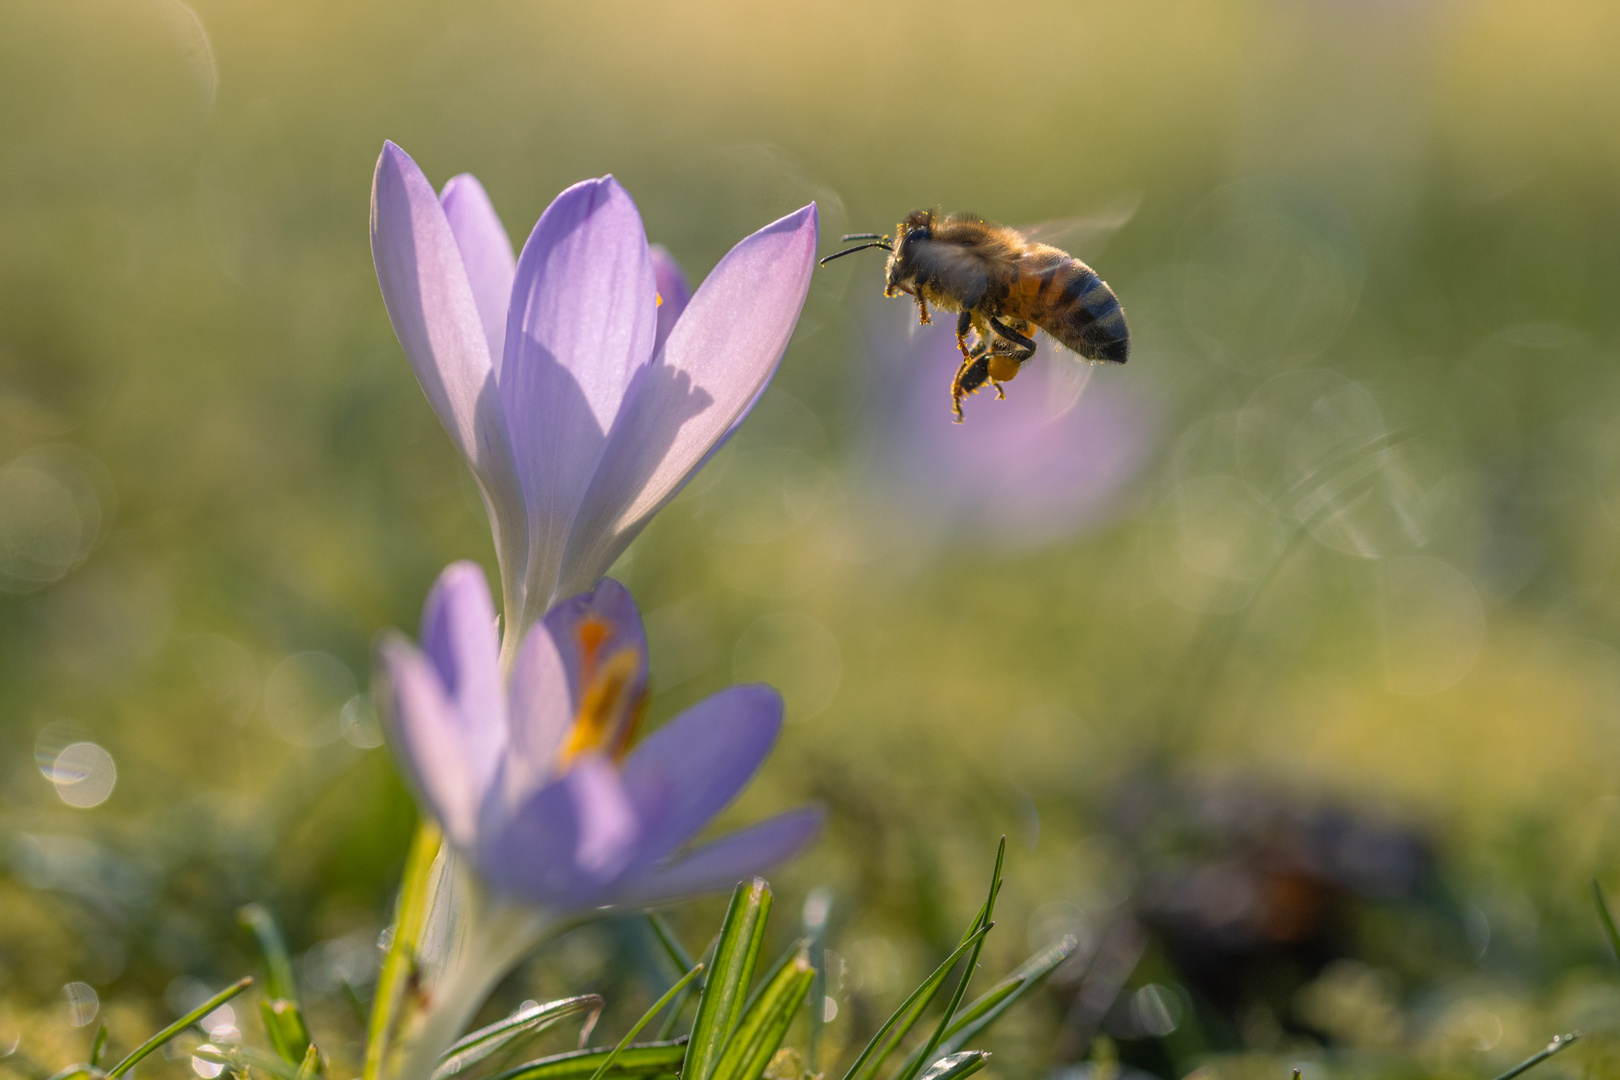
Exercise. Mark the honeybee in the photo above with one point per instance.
(1003, 286)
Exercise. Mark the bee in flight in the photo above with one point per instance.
(1003, 286)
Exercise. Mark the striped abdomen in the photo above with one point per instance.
(1066, 298)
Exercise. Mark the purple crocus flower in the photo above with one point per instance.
(536, 784)
(1056, 458)
(582, 394)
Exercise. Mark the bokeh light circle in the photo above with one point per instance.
(84, 775)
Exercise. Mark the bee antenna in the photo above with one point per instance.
(847, 237)
(858, 247)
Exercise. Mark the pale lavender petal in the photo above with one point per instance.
(723, 863)
(693, 766)
(673, 291)
(609, 828)
(459, 638)
(591, 627)
(429, 737)
(429, 299)
(723, 349)
(565, 843)
(541, 710)
(430, 302)
(486, 251)
(583, 320)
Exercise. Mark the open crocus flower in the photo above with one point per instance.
(539, 788)
(581, 394)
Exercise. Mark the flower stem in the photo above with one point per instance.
(411, 913)
(499, 937)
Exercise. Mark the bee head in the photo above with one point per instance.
(909, 237)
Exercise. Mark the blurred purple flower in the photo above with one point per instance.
(1053, 459)
(580, 402)
(535, 783)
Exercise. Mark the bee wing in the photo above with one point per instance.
(1085, 236)
(1065, 384)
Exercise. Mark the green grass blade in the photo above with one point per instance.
(672, 1015)
(900, 1023)
(311, 1065)
(956, 1066)
(764, 1023)
(670, 943)
(735, 954)
(1004, 995)
(525, 1023)
(1558, 1044)
(399, 964)
(644, 1061)
(279, 1007)
(284, 1024)
(1606, 918)
(278, 972)
(177, 1027)
(98, 1047)
(925, 1056)
(683, 962)
(635, 1029)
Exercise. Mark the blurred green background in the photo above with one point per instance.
(1344, 552)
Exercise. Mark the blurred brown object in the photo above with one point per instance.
(1251, 891)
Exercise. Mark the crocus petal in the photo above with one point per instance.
(612, 612)
(459, 638)
(540, 710)
(673, 292)
(486, 252)
(726, 861)
(583, 319)
(690, 768)
(430, 302)
(608, 822)
(428, 735)
(562, 846)
(721, 351)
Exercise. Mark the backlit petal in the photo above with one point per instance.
(565, 843)
(429, 737)
(430, 302)
(721, 864)
(673, 292)
(459, 639)
(583, 320)
(720, 353)
(693, 766)
(486, 252)
(593, 626)
(541, 710)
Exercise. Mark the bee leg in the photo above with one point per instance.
(922, 311)
(970, 376)
(1025, 347)
(964, 323)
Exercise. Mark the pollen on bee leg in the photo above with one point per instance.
(1003, 368)
(922, 310)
